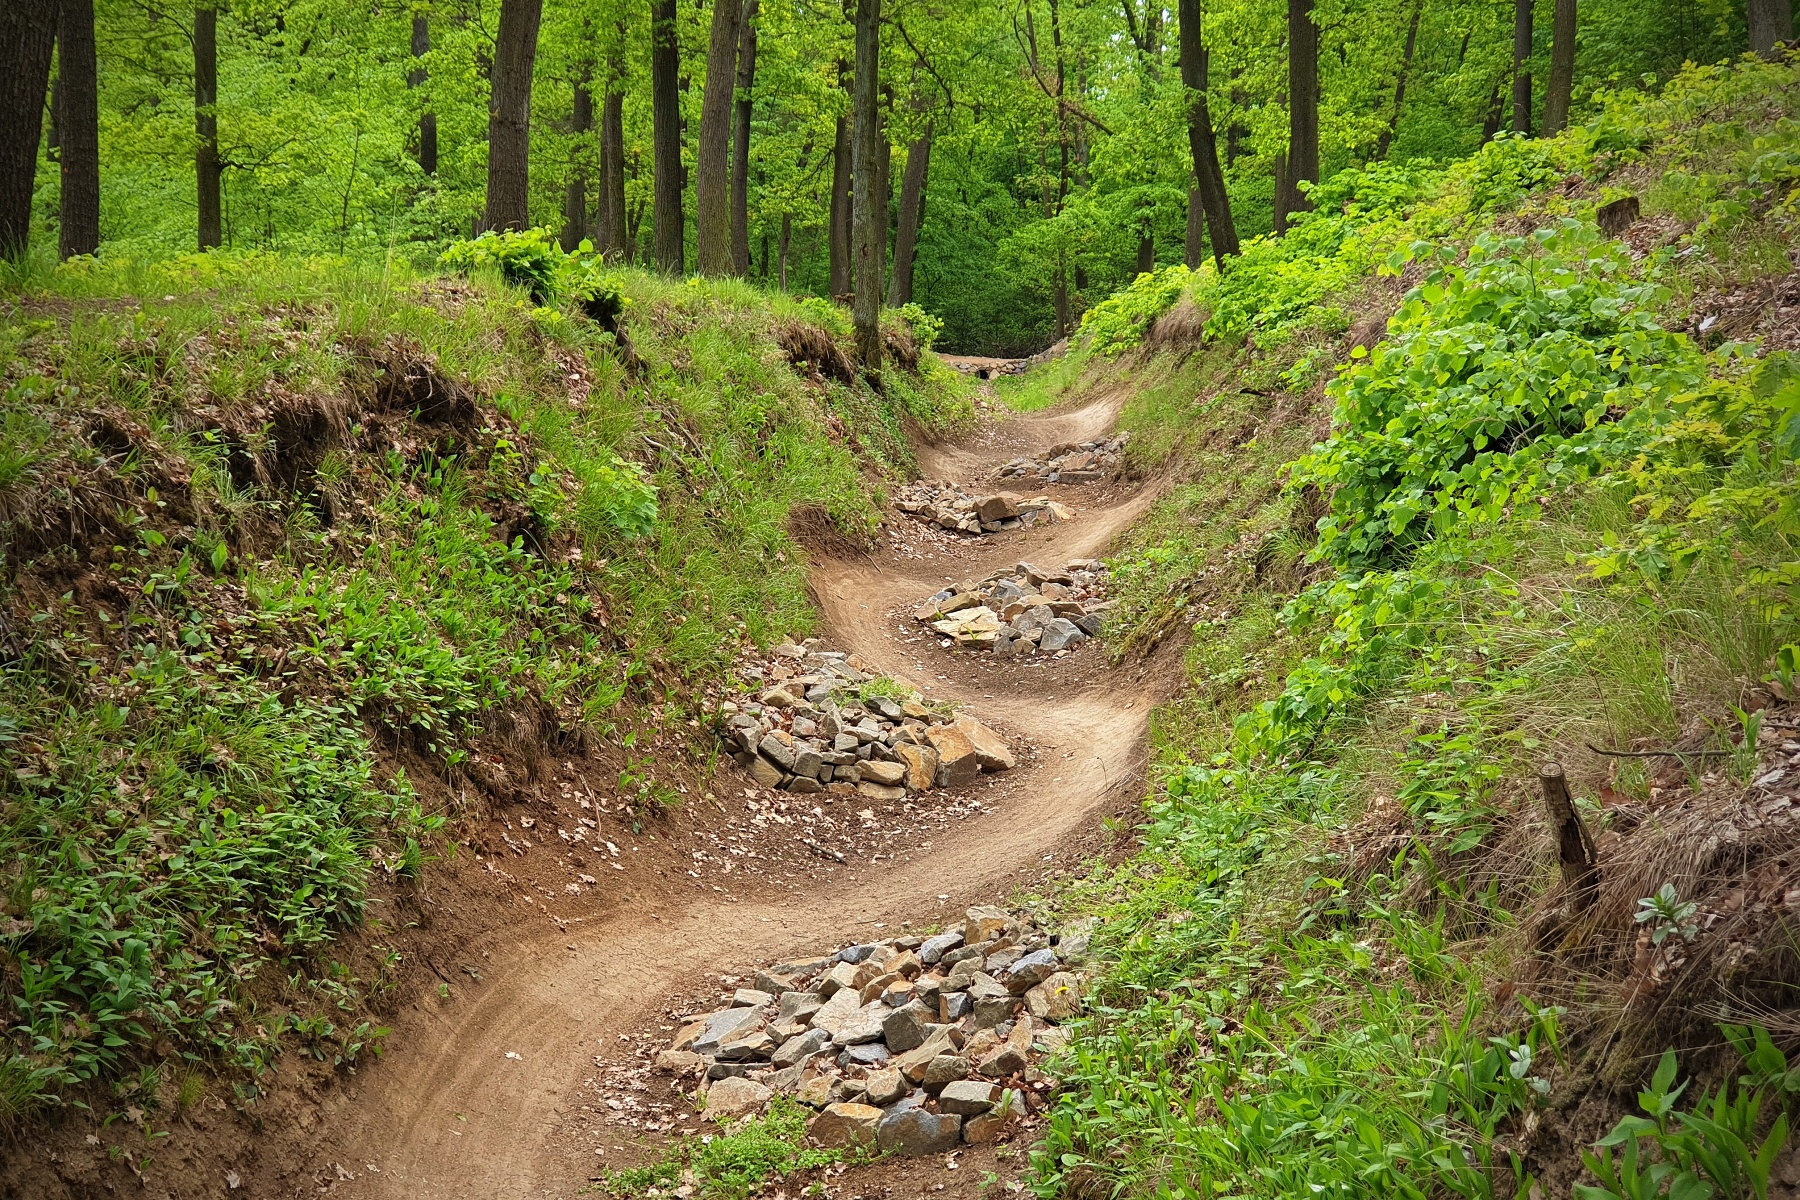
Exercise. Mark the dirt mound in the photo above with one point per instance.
(812, 350)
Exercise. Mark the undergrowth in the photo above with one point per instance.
(734, 1163)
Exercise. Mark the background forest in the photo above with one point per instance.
(1034, 155)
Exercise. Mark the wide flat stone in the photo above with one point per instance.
(914, 1132)
(845, 1126)
(735, 1097)
(968, 1097)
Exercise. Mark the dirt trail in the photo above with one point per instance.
(454, 1114)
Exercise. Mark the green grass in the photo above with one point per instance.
(733, 1164)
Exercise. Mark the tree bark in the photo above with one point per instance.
(665, 118)
(1203, 144)
(27, 38)
(1560, 90)
(870, 216)
(206, 125)
(1146, 254)
(906, 235)
(712, 150)
(421, 46)
(1386, 140)
(1771, 22)
(1576, 853)
(740, 144)
(612, 164)
(1194, 243)
(838, 235)
(1521, 84)
(575, 194)
(781, 254)
(509, 116)
(1302, 162)
(78, 127)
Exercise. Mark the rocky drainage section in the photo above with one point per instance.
(909, 1046)
(949, 506)
(1071, 462)
(818, 728)
(1023, 610)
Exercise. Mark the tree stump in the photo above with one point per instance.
(1575, 848)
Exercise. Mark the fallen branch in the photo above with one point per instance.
(1659, 753)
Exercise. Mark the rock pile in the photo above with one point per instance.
(914, 1045)
(816, 727)
(1071, 462)
(949, 506)
(1022, 610)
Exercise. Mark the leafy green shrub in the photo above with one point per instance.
(1507, 169)
(531, 259)
(1119, 322)
(732, 1165)
(925, 327)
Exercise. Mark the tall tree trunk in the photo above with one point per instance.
(206, 125)
(740, 143)
(1146, 256)
(781, 254)
(421, 46)
(575, 194)
(27, 38)
(1561, 87)
(613, 239)
(884, 203)
(869, 214)
(1302, 161)
(1770, 22)
(1203, 144)
(1194, 243)
(78, 127)
(1521, 83)
(665, 120)
(509, 116)
(838, 236)
(1059, 300)
(712, 151)
(1386, 140)
(906, 236)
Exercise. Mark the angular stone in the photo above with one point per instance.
(1060, 634)
(885, 1086)
(904, 1029)
(873, 990)
(991, 753)
(689, 1033)
(780, 698)
(815, 1092)
(1056, 999)
(1030, 971)
(988, 1127)
(729, 1023)
(727, 1070)
(915, 1132)
(944, 1069)
(997, 962)
(984, 923)
(1007, 1060)
(869, 1054)
(860, 953)
(899, 994)
(678, 1062)
(751, 998)
(804, 785)
(798, 1048)
(876, 791)
(954, 1006)
(927, 989)
(934, 948)
(864, 1025)
(807, 762)
(778, 751)
(773, 982)
(845, 1126)
(748, 1046)
(797, 1006)
(730, 1098)
(957, 763)
(831, 1016)
(997, 507)
(968, 1097)
(991, 1010)
(912, 1064)
(765, 773)
(921, 764)
(889, 774)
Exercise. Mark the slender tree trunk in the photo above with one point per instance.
(1194, 243)
(884, 203)
(740, 144)
(1146, 254)
(78, 126)
(1302, 161)
(1386, 140)
(1203, 144)
(781, 259)
(665, 114)
(1561, 88)
(575, 222)
(421, 46)
(206, 124)
(712, 151)
(509, 116)
(1060, 301)
(762, 272)
(1771, 22)
(1521, 85)
(838, 236)
(870, 214)
(613, 240)
(906, 236)
(27, 39)
(1496, 110)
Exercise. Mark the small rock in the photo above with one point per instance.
(734, 1097)
(845, 1126)
(905, 1027)
(777, 751)
(954, 1006)
(888, 774)
(678, 1062)
(988, 1127)
(968, 1097)
(758, 1044)
(984, 923)
(727, 1024)
(840, 1008)
(921, 763)
(885, 1086)
(934, 948)
(765, 773)
(957, 761)
(751, 998)
(1030, 971)
(797, 1006)
(815, 1092)
(915, 1132)
(1004, 1062)
(876, 791)
(942, 1070)
(796, 1049)
(913, 1063)
(1056, 999)
(864, 1025)
(991, 753)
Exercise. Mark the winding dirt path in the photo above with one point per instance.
(456, 1114)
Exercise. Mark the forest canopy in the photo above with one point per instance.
(1030, 156)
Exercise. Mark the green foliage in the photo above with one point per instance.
(732, 1165)
(531, 259)
(925, 327)
(1119, 322)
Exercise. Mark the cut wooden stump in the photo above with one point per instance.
(1575, 848)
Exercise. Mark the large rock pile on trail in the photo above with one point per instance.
(817, 725)
(950, 506)
(912, 1045)
(1071, 462)
(1024, 610)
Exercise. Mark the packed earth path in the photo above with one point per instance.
(473, 1099)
